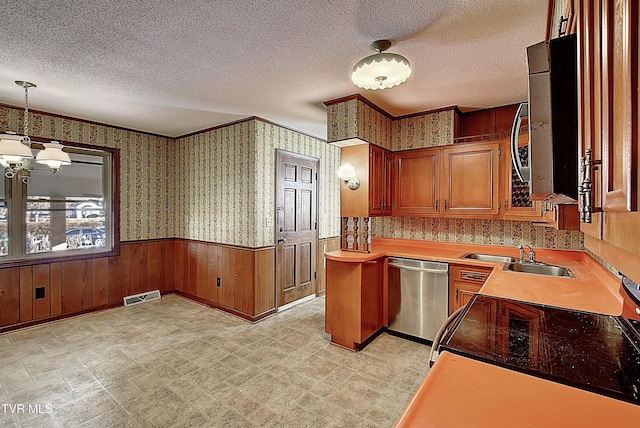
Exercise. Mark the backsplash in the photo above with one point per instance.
(474, 231)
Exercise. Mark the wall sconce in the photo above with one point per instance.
(347, 173)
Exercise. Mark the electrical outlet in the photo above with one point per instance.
(39, 292)
(218, 281)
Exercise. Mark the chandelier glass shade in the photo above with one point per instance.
(53, 156)
(15, 150)
(12, 149)
(382, 70)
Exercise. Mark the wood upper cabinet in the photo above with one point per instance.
(619, 60)
(417, 182)
(470, 179)
(380, 176)
(561, 18)
(374, 169)
(609, 122)
(458, 180)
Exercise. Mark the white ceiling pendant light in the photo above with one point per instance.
(15, 150)
(53, 156)
(382, 70)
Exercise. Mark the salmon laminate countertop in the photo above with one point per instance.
(461, 392)
(592, 289)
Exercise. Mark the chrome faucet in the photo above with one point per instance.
(532, 254)
(519, 247)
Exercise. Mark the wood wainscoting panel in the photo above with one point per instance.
(133, 269)
(138, 268)
(87, 284)
(26, 294)
(192, 268)
(225, 263)
(168, 261)
(265, 288)
(9, 296)
(55, 275)
(118, 276)
(100, 272)
(211, 279)
(72, 285)
(247, 280)
(41, 280)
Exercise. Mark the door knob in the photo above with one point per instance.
(281, 240)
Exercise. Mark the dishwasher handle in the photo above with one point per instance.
(417, 269)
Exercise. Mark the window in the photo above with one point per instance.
(68, 214)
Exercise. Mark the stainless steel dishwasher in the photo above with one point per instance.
(418, 301)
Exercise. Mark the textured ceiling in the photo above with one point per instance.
(175, 67)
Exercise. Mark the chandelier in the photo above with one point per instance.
(382, 70)
(15, 150)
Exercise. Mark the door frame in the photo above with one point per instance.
(275, 218)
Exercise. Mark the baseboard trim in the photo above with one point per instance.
(33, 323)
(246, 317)
(296, 302)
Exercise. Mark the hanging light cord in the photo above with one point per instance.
(26, 115)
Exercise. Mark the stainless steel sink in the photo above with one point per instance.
(540, 269)
(489, 258)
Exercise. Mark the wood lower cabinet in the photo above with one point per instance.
(354, 301)
(464, 282)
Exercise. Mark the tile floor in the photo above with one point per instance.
(176, 363)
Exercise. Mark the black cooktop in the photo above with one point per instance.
(598, 353)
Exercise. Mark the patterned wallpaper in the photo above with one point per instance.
(342, 120)
(216, 186)
(270, 137)
(425, 130)
(143, 167)
(354, 118)
(225, 189)
(475, 231)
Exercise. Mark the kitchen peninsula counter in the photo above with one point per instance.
(592, 289)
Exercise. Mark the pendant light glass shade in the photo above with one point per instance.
(53, 156)
(12, 151)
(382, 70)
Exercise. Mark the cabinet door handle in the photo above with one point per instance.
(445, 204)
(456, 294)
(437, 200)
